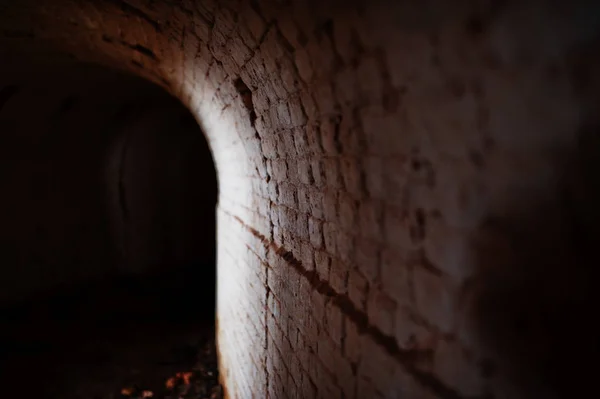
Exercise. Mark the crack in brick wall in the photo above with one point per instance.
(407, 358)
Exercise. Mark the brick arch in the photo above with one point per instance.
(365, 154)
(99, 174)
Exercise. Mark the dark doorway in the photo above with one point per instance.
(107, 237)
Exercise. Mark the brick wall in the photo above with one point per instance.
(401, 183)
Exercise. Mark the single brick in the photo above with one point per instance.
(382, 311)
(358, 289)
(435, 298)
(315, 230)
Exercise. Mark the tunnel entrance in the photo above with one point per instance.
(107, 238)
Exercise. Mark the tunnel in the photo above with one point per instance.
(346, 199)
(108, 222)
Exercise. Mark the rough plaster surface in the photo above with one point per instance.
(406, 204)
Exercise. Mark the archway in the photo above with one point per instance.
(107, 234)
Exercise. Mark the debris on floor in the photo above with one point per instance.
(112, 342)
(199, 383)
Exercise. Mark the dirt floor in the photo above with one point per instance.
(124, 337)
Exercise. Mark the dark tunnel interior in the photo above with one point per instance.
(107, 234)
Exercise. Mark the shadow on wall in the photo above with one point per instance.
(534, 298)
